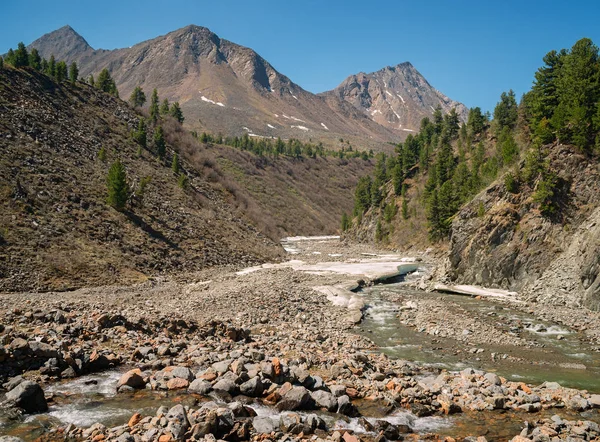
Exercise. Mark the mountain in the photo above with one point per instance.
(57, 231)
(224, 87)
(396, 97)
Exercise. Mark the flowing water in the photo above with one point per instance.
(560, 354)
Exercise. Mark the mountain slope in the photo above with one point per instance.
(225, 87)
(57, 232)
(514, 246)
(396, 97)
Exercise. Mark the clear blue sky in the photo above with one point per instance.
(469, 50)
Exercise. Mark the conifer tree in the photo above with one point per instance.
(1, 63)
(35, 61)
(175, 164)
(140, 136)
(154, 110)
(51, 67)
(176, 112)
(73, 72)
(345, 222)
(91, 81)
(21, 57)
(61, 71)
(159, 141)
(117, 186)
(137, 97)
(164, 107)
(10, 57)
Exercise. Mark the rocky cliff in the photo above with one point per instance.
(500, 239)
(397, 97)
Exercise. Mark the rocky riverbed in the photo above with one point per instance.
(262, 355)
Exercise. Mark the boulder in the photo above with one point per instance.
(29, 396)
(226, 385)
(298, 398)
(178, 422)
(263, 424)
(43, 350)
(324, 399)
(133, 378)
(254, 387)
(346, 407)
(177, 383)
(200, 386)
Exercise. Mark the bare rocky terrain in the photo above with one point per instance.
(234, 343)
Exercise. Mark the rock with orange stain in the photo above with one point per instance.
(133, 378)
(177, 383)
(350, 437)
(165, 438)
(98, 437)
(352, 392)
(135, 419)
(276, 366)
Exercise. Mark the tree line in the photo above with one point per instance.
(56, 69)
(563, 106)
(274, 148)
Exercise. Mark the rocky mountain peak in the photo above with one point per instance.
(397, 97)
(64, 43)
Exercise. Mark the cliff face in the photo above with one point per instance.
(500, 239)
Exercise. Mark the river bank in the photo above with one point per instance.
(261, 354)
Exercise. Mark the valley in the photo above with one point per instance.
(398, 374)
(194, 247)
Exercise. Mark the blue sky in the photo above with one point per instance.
(469, 50)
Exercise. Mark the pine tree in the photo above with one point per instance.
(159, 141)
(10, 57)
(164, 107)
(105, 83)
(137, 97)
(154, 110)
(1, 63)
(91, 81)
(141, 135)
(35, 61)
(505, 112)
(21, 58)
(378, 231)
(51, 67)
(176, 112)
(346, 223)
(61, 71)
(117, 186)
(183, 181)
(73, 72)
(102, 154)
(404, 208)
(175, 164)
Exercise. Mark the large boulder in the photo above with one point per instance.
(200, 386)
(133, 379)
(29, 396)
(324, 399)
(254, 387)
(298, 398)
